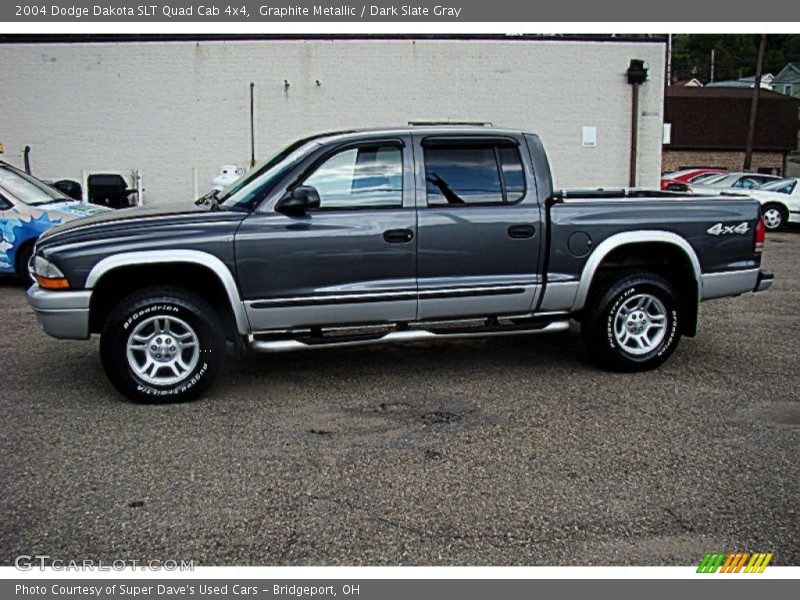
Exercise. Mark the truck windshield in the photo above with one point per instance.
(28, 189)
(242, 193)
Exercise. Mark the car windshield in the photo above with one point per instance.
(674, 174)
(703, 177)
(714, 179)
(28, 189)
(782, 186)
(243, 192)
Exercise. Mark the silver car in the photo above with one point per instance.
(733, 181)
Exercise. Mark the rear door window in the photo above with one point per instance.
(477, 174)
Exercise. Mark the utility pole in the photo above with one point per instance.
(712, 69)
(751, 125)
(669, 59)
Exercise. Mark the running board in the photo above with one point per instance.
(408, 335)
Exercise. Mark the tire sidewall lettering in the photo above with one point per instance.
(179, 388)
(148, 311)
(612, 312)
(673, 330)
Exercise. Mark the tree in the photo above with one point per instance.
(735, 55)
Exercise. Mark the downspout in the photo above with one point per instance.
(637, 75)
(634, 135)
(252, 125)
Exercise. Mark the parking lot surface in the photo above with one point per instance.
(500, 451)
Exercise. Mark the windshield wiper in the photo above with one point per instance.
(51, 201)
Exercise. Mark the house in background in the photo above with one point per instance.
(788, 80)
(708, 128)
(693, 82)
(745, 82)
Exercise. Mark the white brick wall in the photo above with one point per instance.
(166, 107)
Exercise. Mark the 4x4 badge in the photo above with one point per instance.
(720, 229)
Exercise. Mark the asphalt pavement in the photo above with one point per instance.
(498, 452)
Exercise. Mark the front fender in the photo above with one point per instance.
(195, 257)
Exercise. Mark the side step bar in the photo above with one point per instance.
(408, 335)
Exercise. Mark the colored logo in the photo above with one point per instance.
(734, 562)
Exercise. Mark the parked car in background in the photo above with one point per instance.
(780, 201)
(677, 181)
(28, 208)
(732, 181)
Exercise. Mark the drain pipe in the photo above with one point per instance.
(26, 158)
(637, 75)
(252, 125)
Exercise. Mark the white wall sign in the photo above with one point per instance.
(589, 137)
(666, 137)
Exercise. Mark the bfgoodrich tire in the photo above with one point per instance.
(162, 344)
(632, 323)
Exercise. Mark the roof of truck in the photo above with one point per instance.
(432, 129)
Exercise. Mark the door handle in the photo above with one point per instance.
(519, 232)
(398, 236)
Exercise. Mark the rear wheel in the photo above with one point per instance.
(632, 322)
(775, 216)
(162, 345)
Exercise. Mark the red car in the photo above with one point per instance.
(679, 179)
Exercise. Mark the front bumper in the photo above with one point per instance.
(63, 315)
(764, 280)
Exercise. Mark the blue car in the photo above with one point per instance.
(28, 208)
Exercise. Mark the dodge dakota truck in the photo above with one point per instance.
(390, 235)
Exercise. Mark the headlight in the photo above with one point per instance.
(47, 275)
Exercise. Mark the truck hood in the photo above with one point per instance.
(105, 215)
(78, 246)
(140, 216)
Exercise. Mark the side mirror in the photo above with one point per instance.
(299, 200)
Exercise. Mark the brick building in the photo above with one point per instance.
(708, 128)
(174, 107)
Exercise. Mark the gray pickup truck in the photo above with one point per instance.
(391, 235)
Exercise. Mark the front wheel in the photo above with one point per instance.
(162, 345)
(632, 323)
